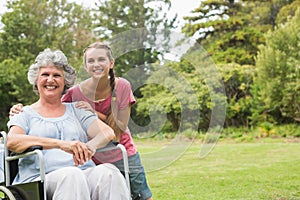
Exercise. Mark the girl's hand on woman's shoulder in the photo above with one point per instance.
(15, 109)
(84, 105)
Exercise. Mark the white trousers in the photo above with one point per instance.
(103, 182)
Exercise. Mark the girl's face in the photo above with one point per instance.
(50, 81)
(97, 63)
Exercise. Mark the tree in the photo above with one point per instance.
(276, 84)
(237, 83)
(287, 12)
(189, 92)
(14, 87)
(34, 25)
(231, 30)
(147, 18)
(28, 28)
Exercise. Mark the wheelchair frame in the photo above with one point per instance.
(10, 190)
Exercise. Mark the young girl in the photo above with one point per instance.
(110, 98)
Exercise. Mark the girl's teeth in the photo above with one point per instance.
(98, 70)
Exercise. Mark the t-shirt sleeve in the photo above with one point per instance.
(21, 120)
(86, 118)
(124, 94)
(67, 97)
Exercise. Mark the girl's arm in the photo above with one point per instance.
(100, 134)
(122, 117)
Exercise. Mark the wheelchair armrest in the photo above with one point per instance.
(27, 150)
(34, 150)
(110, 146)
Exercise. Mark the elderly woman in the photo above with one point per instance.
(69, 137)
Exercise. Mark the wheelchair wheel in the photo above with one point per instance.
(18, 193)
(6, 193)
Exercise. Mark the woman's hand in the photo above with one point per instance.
(81, 152)
(15, 109)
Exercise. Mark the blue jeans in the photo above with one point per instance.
(137, 176)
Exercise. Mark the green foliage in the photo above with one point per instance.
(222, 27)
(266, 129)
(28, 28)
(232, 30)
(288, 130)
(276, 85)
(165, 95)
(14, 87)
(262, 132)
(237, 81)
(31, 26)
(132, 27)
(287, 12)
(186, 92)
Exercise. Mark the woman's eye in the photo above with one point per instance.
(90, 61)
(101, 59)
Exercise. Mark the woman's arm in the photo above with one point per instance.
(18, 141)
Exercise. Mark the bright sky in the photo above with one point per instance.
(181, 7)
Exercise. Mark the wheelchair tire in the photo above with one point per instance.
(7, 193)
(18, 193)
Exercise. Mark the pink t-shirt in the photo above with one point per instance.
(124, 97)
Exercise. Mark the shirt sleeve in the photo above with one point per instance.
(86, 118)
(21, 120)
(124, 94)
(67, 97)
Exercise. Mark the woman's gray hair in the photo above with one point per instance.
(56, 58)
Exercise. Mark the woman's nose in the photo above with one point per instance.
(50, 78)
(97, 63)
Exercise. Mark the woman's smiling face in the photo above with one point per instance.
(50, 81)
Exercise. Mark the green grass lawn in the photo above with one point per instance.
(260, 170)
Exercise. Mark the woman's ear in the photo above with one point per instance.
(85, 68)
(35, 88)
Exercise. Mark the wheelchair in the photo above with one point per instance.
(35, 190)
